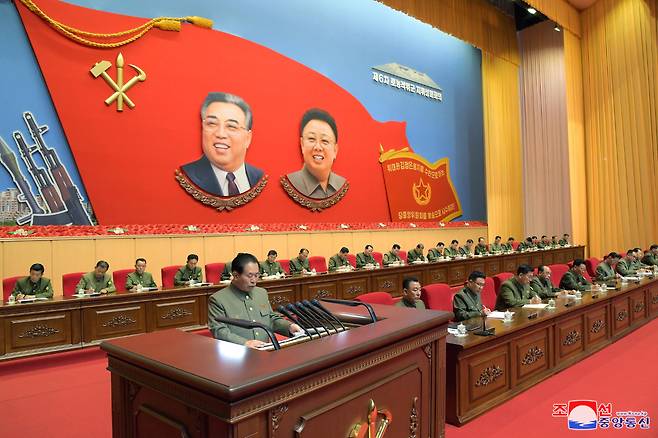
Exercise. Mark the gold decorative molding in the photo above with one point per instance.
(277, 300)
(310, 203)
(276, 414)
(572, 337)
(39, 331)
(639, 306)
(119, 321)
(372, 427)
(413, 419)
(622, 315)
(427, 349)
(176, 313)
(322, 293)
(597, 326)
(387, 284)
(532, 355)
(654, 299)
(353, 290)
(218, 202)
(489, 375)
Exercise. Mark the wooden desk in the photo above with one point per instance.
(70, 323)
(173, 384)
(483, 372)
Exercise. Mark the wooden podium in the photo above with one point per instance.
(388, 375)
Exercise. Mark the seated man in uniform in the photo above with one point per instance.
(481, 247)
(340, 260)
(467, 249)
(299, 265)
(605, 271)
(434, 253)
(496, 246)
(508, 246)
(467, 303)
(392, 256)
(564, 240)
(97, 280)
(411, 294)
(227, 272)
(366, 258)
(516, 291)
(526, 244)
(541, 283)
(271, 266)
(190, 273)
(242, 299)
(573, 279)
(638, 264)
(416, 254)
(140, 278)
(625, 266)
(453, 249)
(544, 243)
(34, 285)
(554, 242)
(651, 258)
(535, 242)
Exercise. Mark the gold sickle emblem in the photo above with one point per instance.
(120, 88)
(422, 192)
(371, 428)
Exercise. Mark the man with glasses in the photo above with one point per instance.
(242, 299)
(516, 291)
(467, 303)
(226, 121)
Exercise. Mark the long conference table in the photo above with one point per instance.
(66, 323)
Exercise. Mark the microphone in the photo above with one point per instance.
(302, 317)
(291, 317)
(307, 305)
(368, 307)
(319, 305)
(311, 317)
(250, 325)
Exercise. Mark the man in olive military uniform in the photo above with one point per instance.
(638, 264)
(573, 279)
(554, 242)
(33, 285)
(416, 254)
(467, 249)
(509, 245)
(299, 265)
(140, 278)
(227, 272)
(392, 256)
(452, 250)
(97, 280)
(651, 258)
(467, 303)
(544, 243)
(339, 260)
(496, 246)
(242, 299)
(541, 283)
(411, 294)
(190, 273)
(605, 271)
(271, 266)
(433, 254)
(525, 245)
(516, 291)
(564, 241)
(365, 258)
(481, 247)
(625, 266)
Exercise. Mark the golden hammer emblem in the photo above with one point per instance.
(120, 88)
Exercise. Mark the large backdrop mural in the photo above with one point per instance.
(283, 111)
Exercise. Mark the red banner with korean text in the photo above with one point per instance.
(418, 190)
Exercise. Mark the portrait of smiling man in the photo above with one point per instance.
(318, 136)
(226, 122)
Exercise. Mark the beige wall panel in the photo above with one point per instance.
(296, 241)
(157, 252)
(17, 257)
(182, 246)
(359, 241)
(277, 242)
(321, 244)
(218, 249)
(118, 252)
(382, 240)
(250, 243)
(340, 239)
(71, 256)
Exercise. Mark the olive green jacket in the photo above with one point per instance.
(650, 259)
(390, 257)
(481, 250)
(543, 287)
(625, 268)
(90, 282)
(572, 281)
(449, 252)
(604, 272)
(513, 294)
(363, 259)
(414, 255)
(41, 289)
(227, 272)
(466, 304)
(337, 261)
(496, 247)
(185, 274)
(133, 279)
(563, 242)
(465, 251)
(297, 266)
(231, 302)
(433, 254)
(267, 268)
(418, 304)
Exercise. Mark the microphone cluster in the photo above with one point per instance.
(314, 319)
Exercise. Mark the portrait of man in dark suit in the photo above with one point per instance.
(226, 121)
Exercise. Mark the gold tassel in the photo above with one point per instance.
(200, 21)
(171, 25)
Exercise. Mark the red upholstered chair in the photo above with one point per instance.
(592, 263)
(120, 278)
(515, 245)
(8, 286)
(557, 272)
(285, 264)
(379, 257)
(318, 263)
(168, 274)
(403, 256)
(214, 272)
(352, 260)
(376, 298)
(488, 294)
(69, 282)
(499, 279)
(437, 296)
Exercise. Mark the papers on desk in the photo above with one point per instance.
(455, 332)
(225, 282)
(92, 294)
(495, 314)
(205, 284)
(630, 278)
(535, 306)
(31, 300)
(148, 289)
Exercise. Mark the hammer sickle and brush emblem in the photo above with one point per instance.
(375, 426)
(120, 88)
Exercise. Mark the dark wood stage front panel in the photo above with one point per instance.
(69, 323)
(173, 384)
(486, 371)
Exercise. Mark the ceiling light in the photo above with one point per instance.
(533, 11)
(557, 28)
